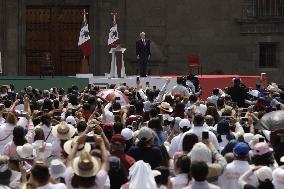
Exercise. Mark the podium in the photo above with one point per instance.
(117, 68)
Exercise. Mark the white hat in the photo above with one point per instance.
(71, 120)
(200, 152)
(145, 133)
(166, 107)
(63, 131)
(255, 140)
(264, 173)
(167, 117)
(127, 133)
(184, 123)
(26, 151)
(57, 169)
(68, 145)
(248, 137)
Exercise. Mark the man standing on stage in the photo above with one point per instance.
(143, 53)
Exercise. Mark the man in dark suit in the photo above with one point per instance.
(143, 53)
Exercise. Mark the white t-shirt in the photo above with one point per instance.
(198, 131)
(278, 178)
(174, 145)
(230, 177)
(100, 179)
(180, 181)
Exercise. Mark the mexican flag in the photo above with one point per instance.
(84, 38)
(113, 36)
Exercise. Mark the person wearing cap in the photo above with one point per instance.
(179, 88)
(198, 129)
(207, 153)
(71, 120)
(61, 133)
(118, 143)
(86, 171)
(230, 177)
(145, 149)
(128, 136)
(184, 126)
(165, 108)
(263, 175)
(262, 155)
(57, 170)
(68, 145)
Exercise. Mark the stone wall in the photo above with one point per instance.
(176, 28)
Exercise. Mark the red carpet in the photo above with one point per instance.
(209, 82)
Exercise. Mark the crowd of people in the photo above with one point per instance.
(166, 138)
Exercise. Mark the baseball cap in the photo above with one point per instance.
(145, 133)
(184, 123)
(118, 138)
(264, 173)
(261, 148)
(127, 133)
(71, 120)
(241, 149)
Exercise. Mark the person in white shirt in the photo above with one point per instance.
(179, 88)
(234, 170)
(40, 178)
(6, 130)
(181, 169)
(214, 98)
(197, 129)
(184, 126)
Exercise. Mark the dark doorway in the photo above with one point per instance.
(54, 30)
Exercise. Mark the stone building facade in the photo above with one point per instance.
(231, 37)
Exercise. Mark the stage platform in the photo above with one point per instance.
(208, 82)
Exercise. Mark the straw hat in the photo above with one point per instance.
(85, 165)
(166, 107)
(63, 131)
(68, 145)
